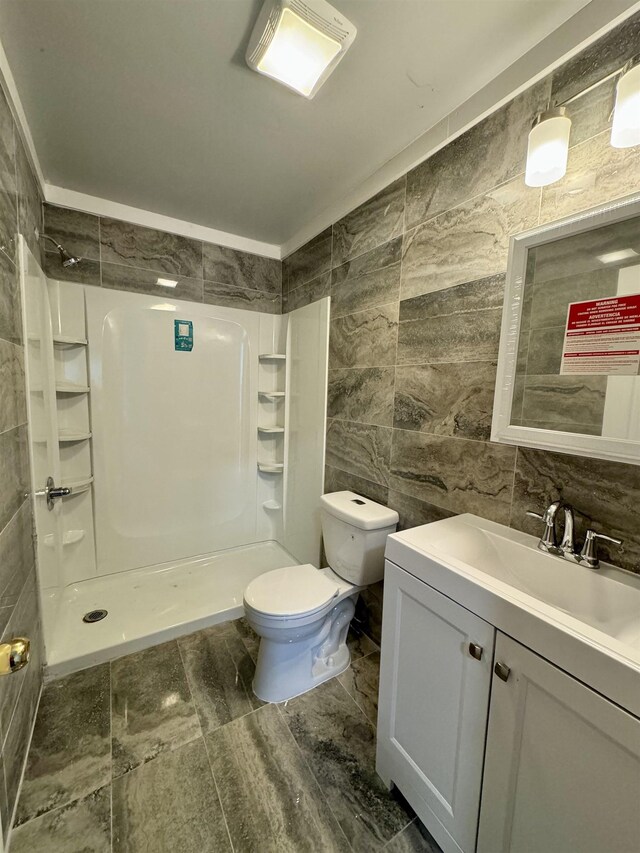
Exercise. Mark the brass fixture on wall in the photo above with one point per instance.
(14, 655)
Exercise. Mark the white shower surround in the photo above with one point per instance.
(181, 517)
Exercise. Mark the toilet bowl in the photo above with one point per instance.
(302, 614)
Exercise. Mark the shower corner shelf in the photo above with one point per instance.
(78, 486)
(274, 430)
(69, 537)
(272, 395)
(271, 467)
(69, 340)
(71, 388)
(272, 356)
(73, 436)
(272, 505)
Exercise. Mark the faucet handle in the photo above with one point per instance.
(589, 554)
(548, 541)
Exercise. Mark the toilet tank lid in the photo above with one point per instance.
(359, 511)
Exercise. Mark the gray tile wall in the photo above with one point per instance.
(20, 211)
(416, 276)
(122, 256)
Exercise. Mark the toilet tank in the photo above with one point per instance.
(355, 532)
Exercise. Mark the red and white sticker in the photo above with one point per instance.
(602, 336)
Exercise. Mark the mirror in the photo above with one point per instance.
(569, 363)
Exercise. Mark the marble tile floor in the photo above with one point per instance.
(169, 750)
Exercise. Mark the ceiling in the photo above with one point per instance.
(150, 103)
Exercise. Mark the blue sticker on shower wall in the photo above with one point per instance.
(183, 332)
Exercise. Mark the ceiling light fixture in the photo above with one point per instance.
(625, 131)
(167, 282)
(616, 257)
(548, 148)
(299, 43)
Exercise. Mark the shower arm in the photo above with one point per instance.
(55, 242)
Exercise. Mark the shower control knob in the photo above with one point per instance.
(51, 492)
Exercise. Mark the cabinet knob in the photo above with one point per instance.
(502, 670)
(475, 651)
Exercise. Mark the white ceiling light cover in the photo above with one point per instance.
(299, 43)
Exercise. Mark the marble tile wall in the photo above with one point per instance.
(20, 211)
(122, 256)
(416, 277)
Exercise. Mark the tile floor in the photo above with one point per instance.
(169, 750)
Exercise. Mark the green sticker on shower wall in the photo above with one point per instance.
(183, 332)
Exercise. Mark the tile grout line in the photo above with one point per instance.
(310, 769)
(189, 688)
(100, 263)
(513, 486)
(395, 364)
(215, 784)
(404, 828)
(420, 432)
(206, 748)
(23, 771)
(355, 701)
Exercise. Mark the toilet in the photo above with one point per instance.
(302, 614)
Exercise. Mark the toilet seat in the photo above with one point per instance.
(292, 591)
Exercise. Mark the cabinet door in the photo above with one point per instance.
(433, 706)
(562, 768)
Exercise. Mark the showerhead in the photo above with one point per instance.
(66, 258)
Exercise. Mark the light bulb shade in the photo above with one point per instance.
(299, 43)
(548, 149)
(625, 131)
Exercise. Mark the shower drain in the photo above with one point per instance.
(94, 615)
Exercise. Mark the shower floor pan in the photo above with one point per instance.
(153, 604)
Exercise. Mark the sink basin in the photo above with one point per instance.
(585, 621)
(608, 599)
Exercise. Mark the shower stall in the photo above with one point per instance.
(177, 452)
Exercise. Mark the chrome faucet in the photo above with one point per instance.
(567, 548)
(568, 543)
(549, 540)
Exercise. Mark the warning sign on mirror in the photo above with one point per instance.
(602, 336)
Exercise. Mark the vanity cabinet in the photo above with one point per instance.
(561, 762)
(434, 699)
(562, 768)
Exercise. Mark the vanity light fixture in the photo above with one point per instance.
(548, 148)
(299, 43)
(167, 282)
(625, 131)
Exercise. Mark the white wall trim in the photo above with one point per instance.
(19, 116)
(585, 27)
(137, 216)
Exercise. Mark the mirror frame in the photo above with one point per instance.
(579, 444)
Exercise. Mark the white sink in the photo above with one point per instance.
(586, 621)
(607, 598)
